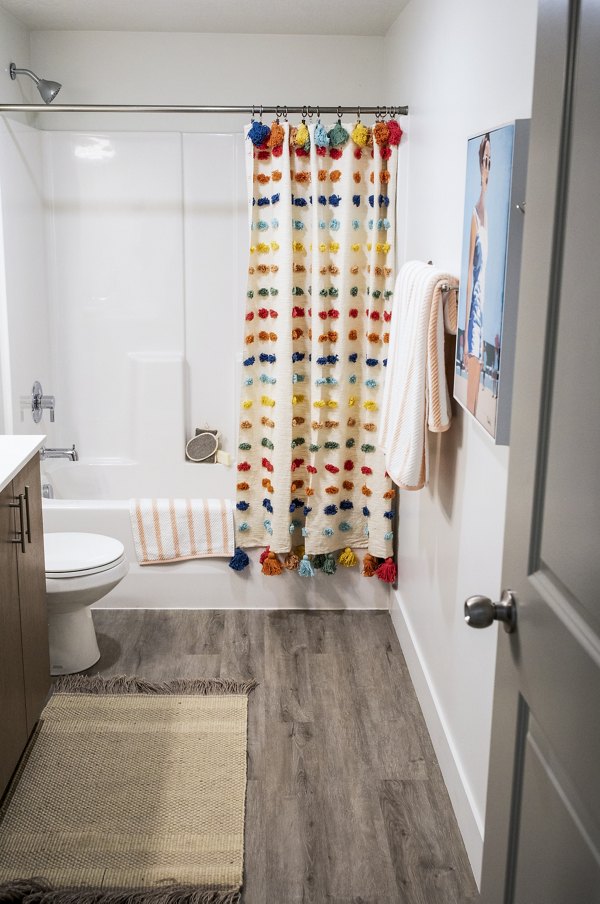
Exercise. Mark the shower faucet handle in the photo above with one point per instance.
(40, 403)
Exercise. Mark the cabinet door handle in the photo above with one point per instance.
(27, 514)
(20, 504)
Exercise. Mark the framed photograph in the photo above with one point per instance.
(489, 275)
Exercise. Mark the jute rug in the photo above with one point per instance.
(130, 793)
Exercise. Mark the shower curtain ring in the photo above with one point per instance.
(285, 113)
(378, 114)
(319, 113)
(311, 113)
(261, 112)
(278, 113)
(358, 113)
(253, 112)
(339, 113)
(304, 113)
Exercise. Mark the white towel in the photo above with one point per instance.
(415, 393)
(173, 530)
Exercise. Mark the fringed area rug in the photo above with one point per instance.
(130, 793)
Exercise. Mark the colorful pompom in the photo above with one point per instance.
(276, 136)
(271, 564)
(321, 136)
(301, 136)
(347, 558)
(387, 571)
(258, 133)
(291, 562)
(394, 132)
(306, 570)
(338, 135)
(360, 134)
(239, 560)
(329, 565)
(369, 565)
(381, 133)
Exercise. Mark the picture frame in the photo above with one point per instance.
(488, 299)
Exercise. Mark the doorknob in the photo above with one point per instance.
(480, 611)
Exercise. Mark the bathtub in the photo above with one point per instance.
(93, 497)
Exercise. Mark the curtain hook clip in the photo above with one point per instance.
(261, 112)
(358, 113)
(304, 113)
(339, 113)
(285, 113)
(253, 112)
(319, 113)
(311, 113)
(278, 112)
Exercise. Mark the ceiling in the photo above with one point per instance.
(325, 17)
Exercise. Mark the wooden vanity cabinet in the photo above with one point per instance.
(24, 656)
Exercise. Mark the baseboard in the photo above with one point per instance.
(211, 584)
(467, 816)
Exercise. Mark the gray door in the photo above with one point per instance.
(542, 837)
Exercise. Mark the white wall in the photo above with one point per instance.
(174, 68)
(463, 66)
(14, 48)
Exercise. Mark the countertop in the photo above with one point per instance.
(16, 451)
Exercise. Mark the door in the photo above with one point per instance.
(32, 592)
(542, 835)
(13, 728)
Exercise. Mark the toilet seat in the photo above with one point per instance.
(72, 555)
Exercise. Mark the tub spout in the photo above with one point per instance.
(70, 454)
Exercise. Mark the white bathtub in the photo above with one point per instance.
(93, 497)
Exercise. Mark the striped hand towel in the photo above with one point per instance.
(173, 530)
(415, 395)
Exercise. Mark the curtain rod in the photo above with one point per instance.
(280, 111)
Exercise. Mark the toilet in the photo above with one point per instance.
(80, 570)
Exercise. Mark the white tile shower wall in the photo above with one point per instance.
(24, 316)
(464, 66)
(148, 242)
(216, 243)
(116, 265)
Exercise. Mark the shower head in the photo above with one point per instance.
(47, 89)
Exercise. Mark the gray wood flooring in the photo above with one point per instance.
(345, 800)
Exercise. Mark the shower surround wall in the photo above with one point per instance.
(24, 315)
(144, 289)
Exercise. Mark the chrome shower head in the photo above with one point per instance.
(47, 89)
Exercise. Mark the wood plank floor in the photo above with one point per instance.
(345, 801)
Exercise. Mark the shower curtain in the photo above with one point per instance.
(320, 283)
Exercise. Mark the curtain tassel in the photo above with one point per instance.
(329, 565)
(387, 571)
(306, 570)
(318, 561)
(239, 560)
(291, 561)
(271, 564)
(347, 558)
(264, 554)
(369, 565)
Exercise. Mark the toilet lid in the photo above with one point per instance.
(75, 552)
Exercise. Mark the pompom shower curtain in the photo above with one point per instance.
(320, 283)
